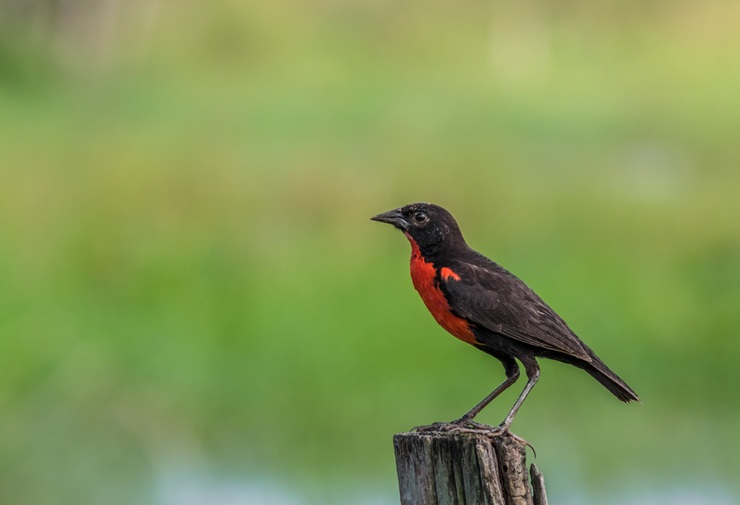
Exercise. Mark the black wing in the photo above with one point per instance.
(490, 297)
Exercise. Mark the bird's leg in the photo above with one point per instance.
(512, 374)
(466, 423)
(533, 374)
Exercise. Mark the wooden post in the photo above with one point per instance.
(437, 468)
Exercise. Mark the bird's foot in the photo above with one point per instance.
(464, 425)
(432, 428)
(461, 425)
(502, 430)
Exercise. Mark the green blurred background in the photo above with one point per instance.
(195, 307)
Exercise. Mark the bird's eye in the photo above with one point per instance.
(420, 217)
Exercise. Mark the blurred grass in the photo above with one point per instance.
(189, 275)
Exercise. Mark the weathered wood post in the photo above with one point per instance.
(476, 468)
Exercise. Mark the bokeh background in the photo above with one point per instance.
(196, 309)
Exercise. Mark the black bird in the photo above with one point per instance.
(483, 304)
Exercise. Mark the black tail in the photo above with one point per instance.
(609, 379)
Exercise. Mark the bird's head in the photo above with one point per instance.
(430, 226)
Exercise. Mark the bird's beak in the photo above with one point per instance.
(394, 217)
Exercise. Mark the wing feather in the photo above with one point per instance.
(490, 297)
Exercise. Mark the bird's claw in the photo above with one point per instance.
(516, 438)
(457, 426)
(463, 425)
(431, 428)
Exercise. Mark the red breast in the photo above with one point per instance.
(424, 277)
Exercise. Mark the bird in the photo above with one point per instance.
(481, 303)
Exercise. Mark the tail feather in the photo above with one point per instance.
(610, 380)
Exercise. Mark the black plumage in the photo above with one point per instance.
(505, 317)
